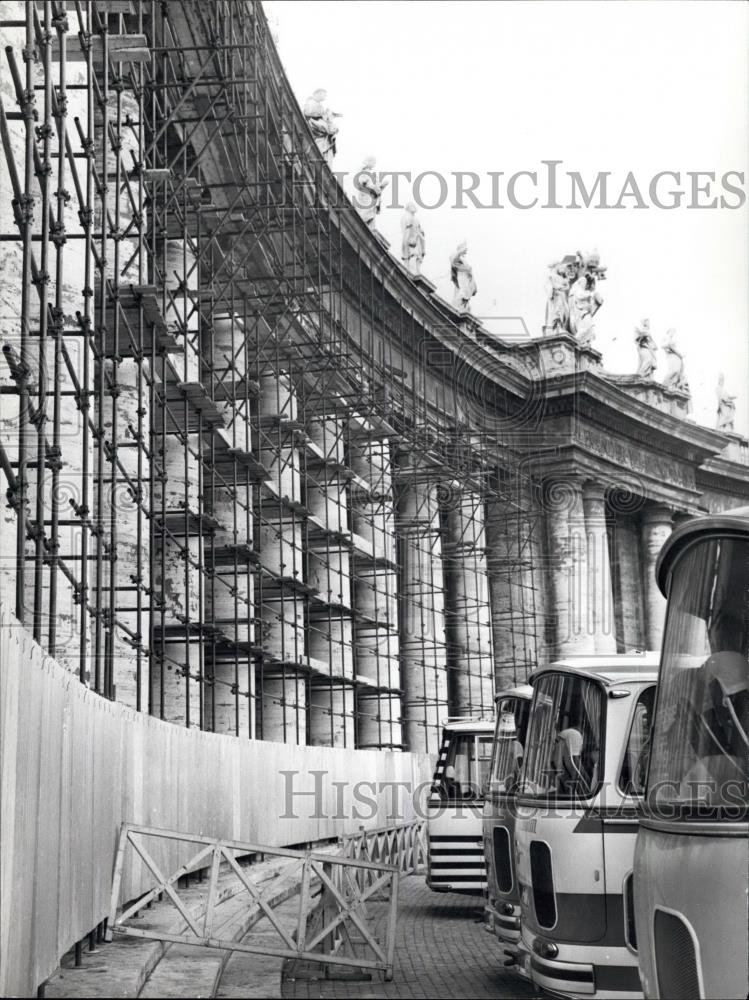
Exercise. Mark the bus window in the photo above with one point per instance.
(700, 753)
(483, 762)
(635, 763)
(467, 766)
(563, 755)
(509, 738)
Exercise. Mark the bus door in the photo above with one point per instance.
(559, 835)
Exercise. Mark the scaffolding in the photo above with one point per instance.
(242, 494)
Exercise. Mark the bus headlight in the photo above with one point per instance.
(546, 949)
(508, 909)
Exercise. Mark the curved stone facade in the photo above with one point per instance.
(287, 491)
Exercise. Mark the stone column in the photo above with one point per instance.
(230, 606)
(657, 523)
(329, 624)
(599, 591)
(378, 698)
(630, 614)
(568, 559)
(280, 599)
(177, 691)
(130, 668)
(468, 618)
(331, 707)
(422, 617)
(283, 705)
(516, 564)
(230, 587)
(176, 674)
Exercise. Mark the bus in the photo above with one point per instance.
(455, 856)
(502, 912)
(692, 854)
(577, 809)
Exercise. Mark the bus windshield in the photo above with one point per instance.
(563, 753)
(466, 768)
(509, 743)
(700, 752)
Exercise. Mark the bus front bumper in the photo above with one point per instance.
(504, 922)
(566, 978)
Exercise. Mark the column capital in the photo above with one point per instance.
(594, 491)
(562, 494)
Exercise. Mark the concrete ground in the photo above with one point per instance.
(442, 950)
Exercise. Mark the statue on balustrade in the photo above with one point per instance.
(413, 246)
(557, 319)
(321, 124)
(584, 297)
(370, 189)
(461, 274)
(573, 297)
(675, 377)
(647, 350)
(726, 406)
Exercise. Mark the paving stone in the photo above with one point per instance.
(442, 951)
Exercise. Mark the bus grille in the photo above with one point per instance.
(457, 861)
(675, 959)
(543, 884)
(502, 859)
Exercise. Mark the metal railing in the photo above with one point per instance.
(332, 926)
(403, 846)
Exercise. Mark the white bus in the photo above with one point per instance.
(455, 860)
(503, 902)
(577, 809)
(691, 873)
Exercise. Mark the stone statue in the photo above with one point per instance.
(726, 406)
(675, 377)
(646, 350)
(321, 124)
(573, 297)
(461, 274)
(370, 190)
(584, 298)
(557, 318)
(413, 246)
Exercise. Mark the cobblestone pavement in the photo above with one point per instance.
(442, 951)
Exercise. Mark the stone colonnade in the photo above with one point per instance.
(601, 563)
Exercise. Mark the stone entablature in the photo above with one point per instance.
(654, 394)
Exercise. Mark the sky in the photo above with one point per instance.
(487, 87)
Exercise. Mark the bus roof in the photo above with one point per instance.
(611, 670)
(729, 522)
(469, 725)
(521, 691)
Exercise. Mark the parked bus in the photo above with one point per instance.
(692, 854)
(582, 783)
(455, 860)
(503, 904)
